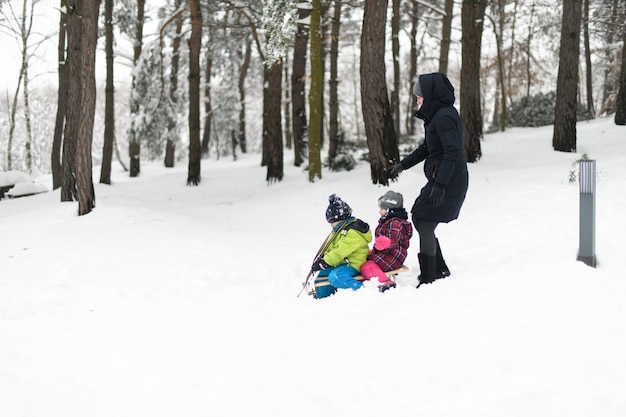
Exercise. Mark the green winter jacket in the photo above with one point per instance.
(350, 246)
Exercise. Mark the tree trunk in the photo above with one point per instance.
(609, 39)
(410, 122)
(233, 142)
(195, 44)
(502, 65)
(589, 75)
(208, 108)
(287, 107)
(620, 111)
(243, 74)
(315, 95)
(512, 56)
(70, 137)
(528, 46)
(325, 6)
(498, 31)
(12, 120)
(333, 102)
(82, 33)
(84, 177)
(55, 160)
(25, 31)
(272, 125)
(298, 93)
(564, 137)
(172, 136)
(472, 17)
(446, 36)
(381, 135)
(134, 147)
(395, 50)
(109, 106)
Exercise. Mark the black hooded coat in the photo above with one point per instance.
(443, 151)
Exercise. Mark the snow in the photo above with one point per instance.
(22, 184)
(175, 300)
(26, 188)
(12, 177)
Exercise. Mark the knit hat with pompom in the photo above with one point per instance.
(337, 209)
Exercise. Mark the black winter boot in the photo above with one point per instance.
(428, 264)
(441, 269)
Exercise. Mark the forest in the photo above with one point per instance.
(322, 85)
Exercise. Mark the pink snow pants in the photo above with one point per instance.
(370, 270)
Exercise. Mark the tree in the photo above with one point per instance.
(109, 110)
(82, 34)
(298, 84)
(277, 20)
(446, 31)
(154, 112)
(172, 126)
(564, 136)
(134, 147)
(243, 74)
(20, 25)
(529, 39)
(609, 17)
(395, 52)
(287, 104)
(379, 126)
(195, 45)
(498, 9)
(620, 111)
(278, 23)
(588, 69)
(410, 121)
(208, 106)
(315, 94)
(89, 39)
(26, 27)
(472, 17)
(272, 131)
(72, 58)
(333, 102)
(55, 159)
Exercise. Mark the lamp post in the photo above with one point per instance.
(587, 229)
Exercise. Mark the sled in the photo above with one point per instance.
(323, 281)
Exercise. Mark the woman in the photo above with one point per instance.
(445, 167)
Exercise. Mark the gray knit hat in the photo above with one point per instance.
(417, 88)
(390, 199)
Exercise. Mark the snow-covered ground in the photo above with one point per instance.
(169, 300)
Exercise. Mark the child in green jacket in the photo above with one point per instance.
(349, 245)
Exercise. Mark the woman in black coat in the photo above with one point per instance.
(445, 167)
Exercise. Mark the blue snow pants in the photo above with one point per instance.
(341, 276)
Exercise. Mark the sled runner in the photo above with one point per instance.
(323, 281)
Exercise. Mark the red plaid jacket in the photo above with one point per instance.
(399, 230)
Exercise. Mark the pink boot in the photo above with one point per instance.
(371, 270)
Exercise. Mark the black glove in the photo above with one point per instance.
(437, 195)
(319, 264)
(394, 170)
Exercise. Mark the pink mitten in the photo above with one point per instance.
(382, 242)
